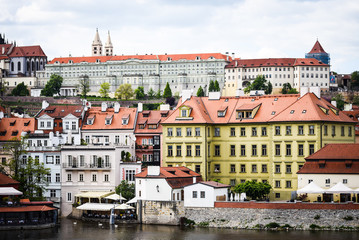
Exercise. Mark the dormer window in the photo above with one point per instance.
(169, 59)
(125, 119)
(108, 119)
(152, 126)
(146, 113)
(90, 119)
(222, 111)
(3, 133)
(70, 61)
(198, 58)
(164, 113)
(14, 133)
(26, 123)
(184, 113)
(98, 60)
(13, 123)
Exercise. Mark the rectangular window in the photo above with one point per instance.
(254, 168)
(311, 129)
(198, 132)
(94, 177)
(333, 131)
(288, 149)
(233, 132)
(264, 131)
(342, 131)
(300, 150)
(189, 151)
(349, 131)
(288, 168)
(178, 132)
(69, 177)
(264, 168)
(233, 168)
(232, 182)
(243, 168)
(300, 130)
(254, 150)
(170, 150)
(288, 184)
(73, 125)
(57, 177)
(277, 149)
(106, 178)
(311, 149)
(49, 159)
(243, 150)
(217, 168)
(48, 178)
(254, 131)
(194, 194)
(203, 194)
(198, 168)
(189, 132)
(81, 177)
(277, 130)
(277, 168)
(216, 132)
(130, 175)
(69, 197)
(264, 150)
(169, 132)
(288, 130)
(325, 130)
(277, 195)
(217, 151)
(345, 181)
(327, 181)
(178, 150)
(277, 184)
(243, 132)
(52, 193)
(233, 150)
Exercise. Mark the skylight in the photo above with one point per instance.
(304, 111)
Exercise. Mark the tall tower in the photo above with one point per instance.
(97, 45)
(108, 46)
(318, 53)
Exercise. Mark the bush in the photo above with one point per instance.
(348, 218)
(316, 217)
(203, 224)
(272, 225)
(314, 226)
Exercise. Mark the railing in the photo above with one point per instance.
(85, 166)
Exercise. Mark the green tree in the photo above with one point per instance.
(126, 190)
(20, 90)
(104, 90)
(340, 101)
(286, 88)
(53, 86)
(355, 80)
(151, 94)
(200, 92)
(216, 86)
(254, 190)
(124, 92)
(211, 87)
(167, 93)
(3, 86)
(158, 94)
(16, 149)
(140, 93)
(84, 85)
(260, 83)
(356, 100)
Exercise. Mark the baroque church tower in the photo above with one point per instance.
(108, 46)
(97, 45)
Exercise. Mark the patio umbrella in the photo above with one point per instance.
(115, 197)
(133, 200)
(311, 188)
(340, 188)
(124, 206)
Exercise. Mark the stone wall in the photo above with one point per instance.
(161, 212)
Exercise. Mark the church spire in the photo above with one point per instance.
(96, 45)
(108, 46)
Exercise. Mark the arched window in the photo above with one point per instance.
(12, 66)
(32, 66)
(18, 66)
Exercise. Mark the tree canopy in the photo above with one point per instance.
(260, 83)
(140, 93)
(20, 90)
(200, 92)
(254, 190)
(355, 80)
(216, 86)
(340, 101)
(53, 86)
(211, 87)
(104, 90)
(167, 92)
(84, 85)
(151, 94)
(287, 89)
(158, 94)
(126, 190)
(124, 91)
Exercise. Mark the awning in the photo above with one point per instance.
(9, 191)
(339, 188)
(124, 206)
(96, 206)
(93, 194)
(115, 197)
(311, 188)
(133, 200)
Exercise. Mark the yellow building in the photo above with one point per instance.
(236, 139)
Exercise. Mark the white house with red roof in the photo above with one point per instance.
(164, 183)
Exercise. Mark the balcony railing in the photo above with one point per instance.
(85, 166)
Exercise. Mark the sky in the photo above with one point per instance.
(247, 28)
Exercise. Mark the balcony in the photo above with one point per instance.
(86, 166)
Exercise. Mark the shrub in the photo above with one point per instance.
(348, 218)
(203, 224)
(316, 217)
(272, 225)
(314, 226)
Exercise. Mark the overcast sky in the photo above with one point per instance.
(248, 28)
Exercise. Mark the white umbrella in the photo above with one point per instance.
(311, 188)
(339, 188)
(9, 191)
(115, 197)
(133, 200)
(124, 206)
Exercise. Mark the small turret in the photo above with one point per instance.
(108, 46)
(97, 45)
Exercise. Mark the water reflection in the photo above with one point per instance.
(91, 230)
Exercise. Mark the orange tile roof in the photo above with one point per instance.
(27, 51)
(343, 151)
(215, 184)
(317, 48)
(154, 117)
(11, 128)
(6, 180)
(274, 62)
(27, 209)
(272, 108)
(174, 57)
(60, 111)
(99, 121)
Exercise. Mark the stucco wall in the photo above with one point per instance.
(161, 212)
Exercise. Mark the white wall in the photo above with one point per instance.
(208, 201)
(319, 179)
(146, 189)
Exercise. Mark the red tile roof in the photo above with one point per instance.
(5, 180)
(27, 51)
(317, 48)
(215, 184)
(60, 111)
(274, 62)
(116, 123)
(27, 209)
(337, 151)
(174, 57)
(155, 116)
(6, 48)
(11, 128)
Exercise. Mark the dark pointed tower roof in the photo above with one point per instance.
(317, 48)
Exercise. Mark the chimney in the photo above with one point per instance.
(116, 107)
(239, 93)
(235, 63)
(3, 50)
(45, 104)
(164, 107)
(334, 103)
(186, 95)
(233, 55)
(103, 107)
(153, 170)
(303, 91)
(214, 95)
(140, 107)
(194, 179)
(315, 90)
(348, 107)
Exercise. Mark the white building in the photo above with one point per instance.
(204, 194)
(164, 183)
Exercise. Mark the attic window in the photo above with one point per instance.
(141, 126)
(335, 111)
(26, 123)
(164, 113)
(304, 111)
(63, 110)
(125, 119)
(198, 58)
(226, 100)
(90, 119)
(78, 110)
(169, 59)
(321, 165)
(51, 110)
(276, 99)
(152, 126)
(221, 113)
(186, 171)
(253, 100)
(348, 165)
(292, 111)
(70, 61)
(273, 112)
(146, 113)
(12, 123)
(14, 133)
(98, 60)
(172, 172)
(3, 133)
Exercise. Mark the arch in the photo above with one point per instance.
(32, 65)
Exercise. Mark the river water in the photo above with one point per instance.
(90, 230)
